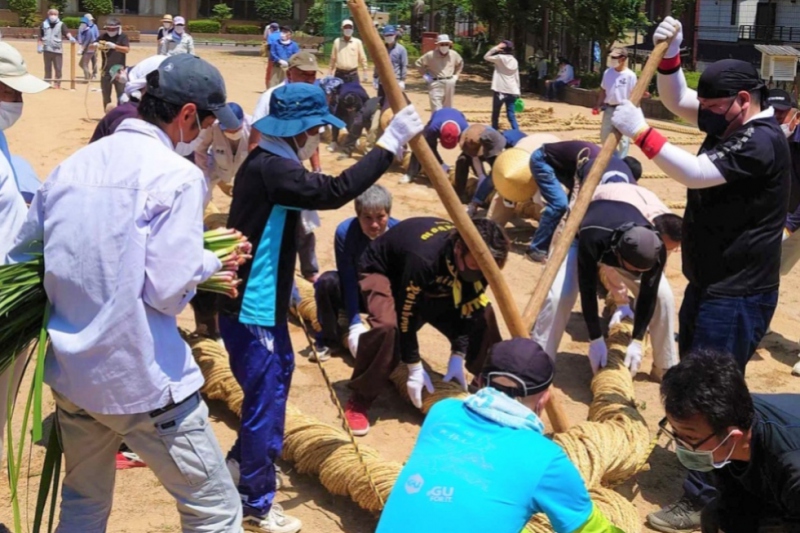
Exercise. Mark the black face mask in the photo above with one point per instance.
(469, 275)
(712, 123)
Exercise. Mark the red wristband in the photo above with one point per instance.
(651, 142)
(669, 65)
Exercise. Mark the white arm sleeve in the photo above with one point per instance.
(695, 172)
(678, 97)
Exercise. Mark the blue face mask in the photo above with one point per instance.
(702, 460)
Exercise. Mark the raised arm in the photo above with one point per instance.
(672, 88)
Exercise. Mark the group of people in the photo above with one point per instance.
(120, 371)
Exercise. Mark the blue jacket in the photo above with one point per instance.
(349, 243)
(280, 51)
(88, 36)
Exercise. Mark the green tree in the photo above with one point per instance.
(221, 13)
(61, 5)
(26, 10)
(99, 7)
(604, 21)
(315, 21)
(273, 10)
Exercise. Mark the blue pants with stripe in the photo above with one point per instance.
(262, 361)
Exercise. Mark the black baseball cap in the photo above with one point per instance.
(640, 247)
(523, 361)
(781, 100)
(727, 77)
(186, 79)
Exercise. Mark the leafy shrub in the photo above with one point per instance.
(203, 26)
(61, 5)
(244, 29)
(27, 11)
(71, 22)
(590, 80)
(270, 10)
(221, 13)
(99, 7)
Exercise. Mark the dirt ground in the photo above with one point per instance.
(57, 123)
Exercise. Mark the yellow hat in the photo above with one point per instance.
(512, 176)
(531, 143)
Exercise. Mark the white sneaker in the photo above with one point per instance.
(275, 522)
(233, 468)
(405, 179)
(332, 147)
(796, 369)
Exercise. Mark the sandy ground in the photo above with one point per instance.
(57, 123)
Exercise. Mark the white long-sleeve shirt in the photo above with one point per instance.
(121, 223)
(12, 207)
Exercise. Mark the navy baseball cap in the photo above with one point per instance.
(389, 30)
(295, 108)
(186, 79)
(524, 362)
(238, 111)
(781, 100)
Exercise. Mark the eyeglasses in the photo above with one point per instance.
(662, 427)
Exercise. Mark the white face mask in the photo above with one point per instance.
(9, 114)
(786, 131)
(53, 19)
(312, 143)
(233, 135)
(389, 39)
(185, 149)
(285, 38)
(167, 25)
(112, 33)
(614, 63)
(179, 30)
(348, 32)
(444, 50)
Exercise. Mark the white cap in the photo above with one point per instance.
(347, 22)
(14, 73)
(137, 77)
(89, 16)
(443, 38)
(179, 21)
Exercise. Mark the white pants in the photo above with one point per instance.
(9, 382)
(552, 320)
(441, 93)
(790, 252)
(179, 447)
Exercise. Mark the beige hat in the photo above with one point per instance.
(14, 73)
(304, 61)
(471, 140)
(531, 143)
(166, 18)
(512, 176)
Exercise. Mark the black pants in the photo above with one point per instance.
(361, 120)
(347, 76)
(330, 302)
(105, 84)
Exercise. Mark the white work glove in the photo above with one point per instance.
(283, 63)
(402, 84)
(786, 234)
(598, 354)
(455, 369)
(365, 79)
(375, 83)
(110, 45)
(417, 378)
(352, 337)
(428, 78)
(622, 312)
(405, 125)
(72, 39)
(633, 357)
(628, 119)
(80, 50)
(455, 78)
(669, 27)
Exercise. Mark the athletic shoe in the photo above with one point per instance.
(536, 256)
(356, 414)
(127, 460)
(233, 468)
(332, 147)
(323, 353)
(678, 517)
(406, 179)
(275, 522)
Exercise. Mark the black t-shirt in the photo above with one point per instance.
(563, 157)
(769, 484)
(114, 57)
(732, 232)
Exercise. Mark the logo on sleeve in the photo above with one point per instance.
(441, 494)
(414, 484)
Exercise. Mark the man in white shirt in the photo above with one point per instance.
(565, 75)
(505, 82)
(120, 226)
(14, 81)
(221, 151)
(616, 87)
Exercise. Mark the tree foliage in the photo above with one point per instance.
(315, 20)
(273, 10)
(99, 7)
(26, 10)
(221, 13)
(61, 5)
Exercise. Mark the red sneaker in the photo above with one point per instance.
(126, 460)
(356, 414)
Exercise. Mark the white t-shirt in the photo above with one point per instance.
(262, 107)
(618, 85)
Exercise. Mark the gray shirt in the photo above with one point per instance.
(398, 56)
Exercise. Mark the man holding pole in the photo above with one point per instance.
(735, 213)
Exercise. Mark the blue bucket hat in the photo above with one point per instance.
(238, 112)
(389, 30)
(295, 108)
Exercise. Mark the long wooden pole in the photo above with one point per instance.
(585, 196)
(72, 55)
(467, 230)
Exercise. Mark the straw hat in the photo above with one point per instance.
(531, 143)
(512, 176)
(471, 140)
(166, 18)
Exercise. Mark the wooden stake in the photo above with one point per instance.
(457, 213)
(73, 54)
(585, 196)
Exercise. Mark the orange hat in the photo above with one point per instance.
(449, 135)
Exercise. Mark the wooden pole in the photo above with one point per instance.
(585, 196)
(467, 230)
(72, 55)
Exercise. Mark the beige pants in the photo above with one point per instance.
(278, 75)
(441, 93)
